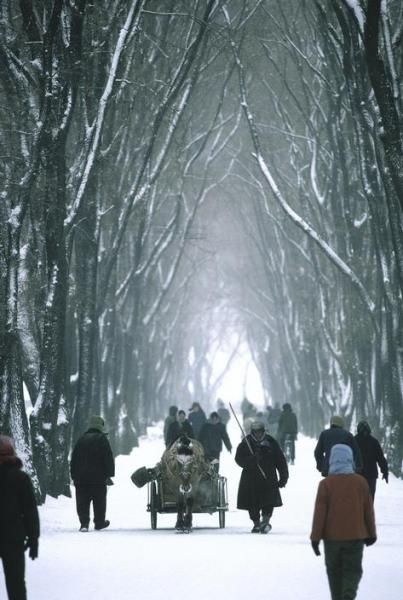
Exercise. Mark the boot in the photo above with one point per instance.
(256, 527)
(265, 526)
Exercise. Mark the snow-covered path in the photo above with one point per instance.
(130, 561)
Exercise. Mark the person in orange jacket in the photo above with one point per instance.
(344, 519)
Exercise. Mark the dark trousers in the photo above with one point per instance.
(85, 494)
(14, 570)
(372, 487)
(344, 567)
(254, 513)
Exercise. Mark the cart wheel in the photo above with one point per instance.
(221, 502)
(153, 505)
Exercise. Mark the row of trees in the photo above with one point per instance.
(175, 173)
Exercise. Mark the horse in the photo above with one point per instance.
(183, 466)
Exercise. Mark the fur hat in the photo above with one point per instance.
(257, 426)
(337, 421)
(97, 422)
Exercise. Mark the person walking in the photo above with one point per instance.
(19, 520)
(91, 467)
(223, 412)
(335, 434)
(180, 426)
(197, 418)
(212, 435)
(344, 519)
(372, 456)
(171, 418)
(264, 471)
(287, 430)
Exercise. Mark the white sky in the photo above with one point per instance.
(130, 561)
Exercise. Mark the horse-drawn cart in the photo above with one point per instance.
(210, 497)
(183, 482)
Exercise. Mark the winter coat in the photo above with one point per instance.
(287, 424)
(92, 459)
(19, 517)
(197, 418)
(372, 454)
(211, 436)
(327, 439)
(343, 509)
(177, 429)
(254, 491)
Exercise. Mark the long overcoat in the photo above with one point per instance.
(254, 491)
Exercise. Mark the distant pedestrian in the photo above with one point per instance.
(273, 417)
(212, 435)
(179, 427)
(372, 456)
(92, 465)
(336, 434)
(264, 471)
(19, 520)
(287, 430)
(171, 418)
(344, 519)
(223, 412)
(197, 418)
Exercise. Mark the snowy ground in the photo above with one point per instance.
(129, 560)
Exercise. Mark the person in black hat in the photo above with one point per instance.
(335, 434)
(19, 520)
(372, 456)
(264, 471)
(92, 465)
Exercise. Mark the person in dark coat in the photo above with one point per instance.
(171, 418)
(264, 471)
(197, 418)
(336, 434)
(91, 467)
(180, 426)
(372, 455)
(288, 429)
(223, 412)
(212, 434)
(19, 520)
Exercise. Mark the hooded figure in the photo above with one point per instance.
(372, 456)
(336, 434)
(92, 465)
(264, 471)
(19, 519)
(344, 519)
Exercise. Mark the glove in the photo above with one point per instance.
(369, 541)
(32, 544)
(282, 483)
(385, 476)
(109, 481)
(315, 548)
